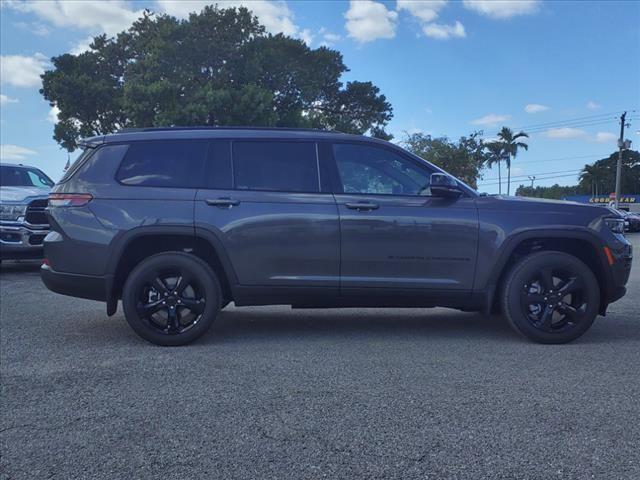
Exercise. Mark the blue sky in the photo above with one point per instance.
(447, 67)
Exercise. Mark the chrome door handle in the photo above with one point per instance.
(222, 202)
(362, 206)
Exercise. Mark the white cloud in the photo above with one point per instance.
(22, 71)
(95, 16)
(328, 38)
(606, 137)
(33, 27)
(535, 108)
(491, 119)
(501, 9)
(368, 20)
(81, 46)
(14, 152)
(591, 105)
(443, 32)
(565, 133)
(4, 100)
(52, 116)
(274, 15)
(423, 10)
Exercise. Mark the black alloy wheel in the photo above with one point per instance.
(171, 298)
(551, 297)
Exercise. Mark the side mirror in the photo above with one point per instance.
(444, 186)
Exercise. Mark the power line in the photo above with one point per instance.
(537, 179)
(570, 120)
(515, 177)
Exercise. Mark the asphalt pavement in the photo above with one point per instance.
(276, 393)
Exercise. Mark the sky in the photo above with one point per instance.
(563, 71)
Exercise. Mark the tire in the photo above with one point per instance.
(550, 297)
(171, 298)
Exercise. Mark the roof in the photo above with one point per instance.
(219, 132)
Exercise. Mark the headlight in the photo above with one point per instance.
(616, 225)
(12, 212)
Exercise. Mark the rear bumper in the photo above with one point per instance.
(76, 285)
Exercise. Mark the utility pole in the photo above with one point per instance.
(532, 178)
(619, 166)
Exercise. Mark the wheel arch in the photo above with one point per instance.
(581, 244)
(142, 242)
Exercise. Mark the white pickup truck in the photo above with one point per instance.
(24, 193)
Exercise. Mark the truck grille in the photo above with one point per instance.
(35, 213)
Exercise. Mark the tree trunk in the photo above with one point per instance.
(508, 178)
(499, 179)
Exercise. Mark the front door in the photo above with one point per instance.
(393, 233)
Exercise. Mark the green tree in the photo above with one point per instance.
(554, 192)
(600, 177)
(217, 68)
(463, 159)
(510, 147)
(494, 157)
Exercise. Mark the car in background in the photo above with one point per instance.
(24, 193)
(632, 221)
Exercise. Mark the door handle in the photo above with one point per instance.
(362, 206)
(222, 202)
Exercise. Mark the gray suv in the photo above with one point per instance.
(178, 222)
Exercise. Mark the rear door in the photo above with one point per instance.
(393, 233)
(265, 203)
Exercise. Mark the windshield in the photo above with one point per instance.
(11, 176)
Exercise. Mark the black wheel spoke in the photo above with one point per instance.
(196, 306)
(546, 276)
(181, 284)
(572, 313)
(148, 309)
(545, 318)
(570, 286)
(173, 322)
(160, 286)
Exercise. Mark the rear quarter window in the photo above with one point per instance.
(164, 163)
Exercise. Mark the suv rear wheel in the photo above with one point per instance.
(171, 298)
(551, 297)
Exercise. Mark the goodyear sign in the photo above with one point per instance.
(630, 199)
(604, 199)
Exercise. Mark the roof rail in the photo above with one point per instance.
(160, 129)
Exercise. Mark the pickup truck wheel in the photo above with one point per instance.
(171, 298)
(551, 297)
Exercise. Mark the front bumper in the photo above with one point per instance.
(21, 240)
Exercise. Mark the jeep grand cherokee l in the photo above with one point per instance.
(179, 222)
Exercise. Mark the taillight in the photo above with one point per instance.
(69, 199)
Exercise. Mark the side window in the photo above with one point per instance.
(374, 170)
(164, 163)
(275, 166)
(218, 168)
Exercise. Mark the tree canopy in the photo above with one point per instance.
(596, 178)
(219, 67)
(463, 159)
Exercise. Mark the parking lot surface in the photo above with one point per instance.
(281, 393)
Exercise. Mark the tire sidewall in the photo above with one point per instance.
(138, 277)
(522, 272)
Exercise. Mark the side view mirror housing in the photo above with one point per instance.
(444, 186)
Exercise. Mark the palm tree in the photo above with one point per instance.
(510, 147)
(495, 158)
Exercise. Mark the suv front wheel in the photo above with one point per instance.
(171, 298)
(551, 297)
